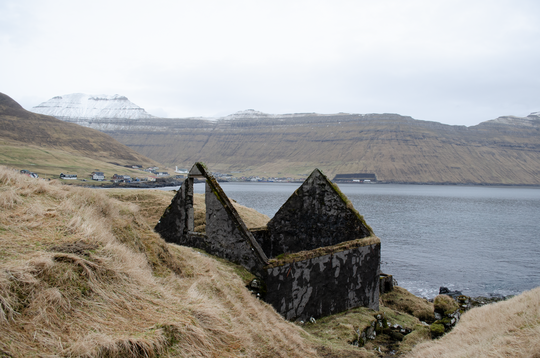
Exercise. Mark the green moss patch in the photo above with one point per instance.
(284, 259)
(402, 300)
(436, 330)
(445, 304)
(343, 331)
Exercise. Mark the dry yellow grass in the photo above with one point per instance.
(505, 329)
(83, 274)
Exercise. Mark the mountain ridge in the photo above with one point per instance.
(21, 127)
(84, 106)
(75, 107)
(398, 149)
(394, 147)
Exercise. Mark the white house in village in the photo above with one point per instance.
(98, 176)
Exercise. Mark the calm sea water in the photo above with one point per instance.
(479, 240)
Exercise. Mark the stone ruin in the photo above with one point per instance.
(316, 256)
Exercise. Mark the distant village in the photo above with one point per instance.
(230, 178)
(339, 178)
(153, 174)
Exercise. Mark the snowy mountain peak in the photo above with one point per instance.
(253, 114)
(530, 120)
(84, 106)
(248, 113)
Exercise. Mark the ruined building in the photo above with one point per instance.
(315, 257)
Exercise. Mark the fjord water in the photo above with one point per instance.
(479, 240)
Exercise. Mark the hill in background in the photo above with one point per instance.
(47, 145)
(395, 148)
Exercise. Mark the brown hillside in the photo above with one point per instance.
(18, 126)
(394, 147)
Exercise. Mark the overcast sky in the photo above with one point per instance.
(454, 62)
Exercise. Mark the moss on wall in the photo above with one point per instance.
(287, 258)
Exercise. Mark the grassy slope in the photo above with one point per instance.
(83, 274)
(48, 146)
(49, 163)
(395, 148)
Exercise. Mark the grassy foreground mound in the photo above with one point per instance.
(83, 274)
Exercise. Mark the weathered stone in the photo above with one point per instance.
(381, 325)
(325, 285)
(446, 291)
(177, 220)
(334, 261)
(317, 214)
(226, 234)
(447, 313)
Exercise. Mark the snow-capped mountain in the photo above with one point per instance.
(84, 106)
(514, 120)
(253, 114)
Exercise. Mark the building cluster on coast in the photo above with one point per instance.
(230, 178)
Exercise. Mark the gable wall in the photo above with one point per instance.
(178, 217)
(225, 236)
(316, 215)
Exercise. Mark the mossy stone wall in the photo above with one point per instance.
(325, 285)
(178, 217)
(316, 215)
(226, 237)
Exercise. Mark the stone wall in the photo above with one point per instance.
(177, 220)
(326, 258)
(325, 285)
(316, 215)
(226, 234)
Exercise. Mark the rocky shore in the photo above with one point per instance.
(473, 301)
